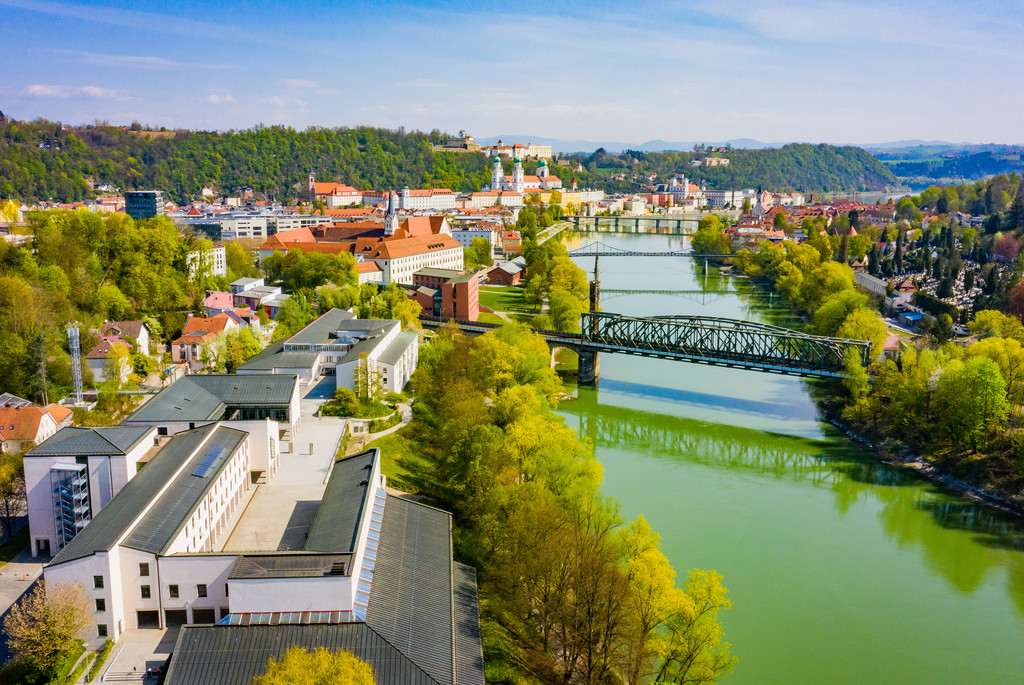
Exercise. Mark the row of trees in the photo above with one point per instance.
(587, 598)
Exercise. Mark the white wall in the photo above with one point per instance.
(327, 593)
(189, 572)
(264, 450)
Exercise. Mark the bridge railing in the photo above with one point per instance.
(723, 341)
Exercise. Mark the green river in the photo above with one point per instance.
(840, 569)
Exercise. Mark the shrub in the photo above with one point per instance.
(101, 658)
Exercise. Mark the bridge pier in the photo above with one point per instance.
(589, 368)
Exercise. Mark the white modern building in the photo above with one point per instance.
(72, 475)
(207, 261)
(465, 236)
(336, 344)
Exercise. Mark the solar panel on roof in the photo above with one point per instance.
(203, 469)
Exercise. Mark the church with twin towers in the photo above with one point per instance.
(519, 182)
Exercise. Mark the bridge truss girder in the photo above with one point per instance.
(726, 342)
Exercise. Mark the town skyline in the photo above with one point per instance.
(840, 72)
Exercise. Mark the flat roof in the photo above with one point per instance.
(161, 524)
(103, 532)
(86, 442)
(278, 565)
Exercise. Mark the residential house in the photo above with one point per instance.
(97, 359)
(21, 426)
(198, 331)
(136, 330)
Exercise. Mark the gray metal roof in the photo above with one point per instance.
(13, 400)
(321, 329)
(274, 357)
(290, 566)
(168, 515)
(335, 528)
(206, 397)
(411, 603)
(469, 652)
(103, 532)
(397, 348)
(234, 655)
(84, 442)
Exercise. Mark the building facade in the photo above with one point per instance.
(144, 204)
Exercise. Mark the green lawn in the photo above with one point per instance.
(401, 462)
(505, 299)
(487, 317)
(10, 548)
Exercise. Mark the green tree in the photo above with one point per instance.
(857, 382)
(12, 490)
(564, 310)
(47, 623)
(300, 666)
(482, 253)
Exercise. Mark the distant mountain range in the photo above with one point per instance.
(570, 145)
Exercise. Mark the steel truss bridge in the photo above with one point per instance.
(599, 249)
(696, 339)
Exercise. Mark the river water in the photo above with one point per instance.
(840, 569)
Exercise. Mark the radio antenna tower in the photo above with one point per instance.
(76, 361)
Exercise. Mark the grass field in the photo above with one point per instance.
(487, 317)
(400, 462)
(505, 299)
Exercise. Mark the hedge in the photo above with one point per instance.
(101, 658)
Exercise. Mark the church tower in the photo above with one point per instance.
(497, 175)
(391, 222)
(312, 186)
(542, 169)
(518, 182)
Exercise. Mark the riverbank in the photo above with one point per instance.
(900, 455)
(1004, 503)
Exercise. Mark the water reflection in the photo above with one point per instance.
(910, 506)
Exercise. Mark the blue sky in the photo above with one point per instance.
(820, 71)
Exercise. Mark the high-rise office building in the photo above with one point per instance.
(144, 204)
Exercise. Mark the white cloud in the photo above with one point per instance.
(67, 92)
(298, 83)
(215, 99)
(137, 61)
(274, 100)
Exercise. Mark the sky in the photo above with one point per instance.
(836, 71)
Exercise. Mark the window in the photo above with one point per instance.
(172, 590)
(145, 592)
(225, 589)
(143, 569)
(201, 590)
(101, 629)
(97, 582)
(101, 604)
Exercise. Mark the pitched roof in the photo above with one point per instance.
(411, 602)
(161, 524)
(235, 655)
(335, 528)
(122, 329)
(115, 519)
(205, 397)
(7, 399)
(85, 442)
(21, 423)
(102, 351)
(219, 300)
(334, 189)
(394, 248)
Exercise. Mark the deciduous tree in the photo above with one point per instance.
(47, 622)
(300, 666)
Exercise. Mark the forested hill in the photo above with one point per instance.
(798, 166)
(44, 160)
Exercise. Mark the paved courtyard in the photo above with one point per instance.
(137, 651)
(278, 518)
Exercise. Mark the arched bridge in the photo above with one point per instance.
(696, 339)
